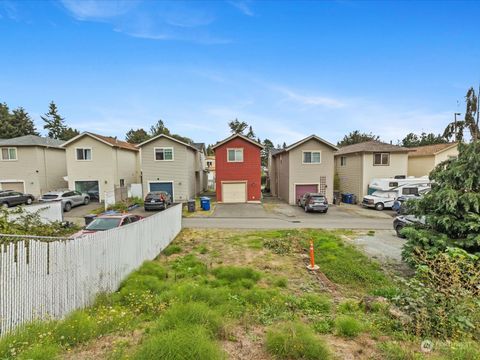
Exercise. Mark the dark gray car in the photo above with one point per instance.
(69, 198)
(315, 202)
(11, 198)
(157, 200)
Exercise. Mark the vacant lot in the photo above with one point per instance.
(240, 295)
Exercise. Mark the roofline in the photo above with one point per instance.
(298, 143)
(435, 153)
(167, 137)
(86, 133)
(371, 152)
(235, 136)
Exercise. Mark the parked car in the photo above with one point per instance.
(315, 202)
(399, 205)
(301, 200)
(157, 200)
(11, 198)
(107, 222)
(403, 220)
(69, 198)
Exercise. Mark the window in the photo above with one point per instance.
(163, 154)
(393, 184)
(311, 157)
(209, 163)
(84, 154)
(410, 191)
(343, 161)
(381, 159)
(9, 154)
(122, 182)
(235, 155)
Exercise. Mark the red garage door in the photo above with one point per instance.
(302, 189)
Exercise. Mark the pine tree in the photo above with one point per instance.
(137, 136)
(16, 123)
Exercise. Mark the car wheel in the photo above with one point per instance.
(86, 201)
(5, 205)
(379, 206)
(398, 230)
(67, 207)
(325, 211)
(29, 201)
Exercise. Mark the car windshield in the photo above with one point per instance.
(102, 224)
(318, 198)
(154, 196)
(50, 196)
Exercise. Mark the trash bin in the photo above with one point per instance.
(347, 198)
(205, 203)
(337, 197)
(191, 205)
(89, 218)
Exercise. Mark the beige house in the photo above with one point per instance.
(422, 160)
(32, 164)
(356, 165)
(171, 165)
(99, 164)
(305, 166)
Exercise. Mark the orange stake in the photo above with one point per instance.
(312, 265)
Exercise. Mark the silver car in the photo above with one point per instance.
(69, 198)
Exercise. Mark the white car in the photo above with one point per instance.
(69, 198)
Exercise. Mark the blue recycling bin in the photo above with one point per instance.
(347, 198)
(205, 203)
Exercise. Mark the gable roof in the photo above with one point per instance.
(32, 140)
(300, 142)
(107, 140)
(429, 150)
(369, 147)
(256, 143)
(190, 146)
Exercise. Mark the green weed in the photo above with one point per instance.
(40, 352)
(348, 326)
(172, 249)
(232, 274)
(188, 266)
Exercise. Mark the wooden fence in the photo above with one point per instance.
(50, 277)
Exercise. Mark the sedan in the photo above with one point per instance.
(401, 221)
(157, 200)
(68, 198)
(107, 222)
(11, 198)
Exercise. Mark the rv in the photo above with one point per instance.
(384, 192)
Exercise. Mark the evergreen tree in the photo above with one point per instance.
(455, 130)
(137, 136)
(267, 148)
(356, 137)
(250, 133)
(159, 128)
(16, 123)
(55, 124)
(413, 140)
(237, 127)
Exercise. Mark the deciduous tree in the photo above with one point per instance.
(136, 136)
(356, 137)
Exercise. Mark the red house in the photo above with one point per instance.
(238, 170)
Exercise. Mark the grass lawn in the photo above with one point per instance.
(239, 295)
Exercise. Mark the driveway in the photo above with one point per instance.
(241, 211)
(76, 215)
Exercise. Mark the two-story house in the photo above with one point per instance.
(171, 165)
(356, 165)
(423, 159)
(238, 170)
(305, 166)
(32, 164)
(98, 164)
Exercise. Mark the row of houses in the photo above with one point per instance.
(99, 164)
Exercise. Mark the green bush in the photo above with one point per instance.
(294, 340)
(172, 249)
(348, 326)
(232, 274)
(190, 314)
(192, 342)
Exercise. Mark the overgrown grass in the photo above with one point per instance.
(348, 326)
(172, 249)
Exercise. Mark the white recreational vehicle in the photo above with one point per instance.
(383, 192)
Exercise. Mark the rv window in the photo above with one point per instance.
(410, 191)
(393, 184)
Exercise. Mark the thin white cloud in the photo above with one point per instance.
(94, 9)
(242, 6)
(309, 100)
(9, 10)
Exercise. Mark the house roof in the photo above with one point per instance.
(199, 146)
(32, 140)
(300, 142)
(429, 150)
(108, 140)
(370, 146)
(190, 146)
(237, 136)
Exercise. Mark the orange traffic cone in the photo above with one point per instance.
(312, 265)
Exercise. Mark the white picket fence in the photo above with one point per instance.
(48, 212)
(49, 277)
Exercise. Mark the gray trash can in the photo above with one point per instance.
(89, 218)
(191, 205)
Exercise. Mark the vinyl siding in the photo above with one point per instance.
(283, 175)
(420, 165)
(398, 166)
(351, 175)
(128, 166)
(54, 169)
(180, 170)
(445, 155)
(300, 173)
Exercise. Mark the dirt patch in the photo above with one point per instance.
(246, 344)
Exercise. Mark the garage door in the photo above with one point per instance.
(15, 186)
(302, 189)
(162, 186)
(90, 187)
(234, 192)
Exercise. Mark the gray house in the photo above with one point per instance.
(305, 166)
(171, 165)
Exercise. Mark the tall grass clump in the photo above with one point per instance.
(348, 326)
(188, 266)
(294, 340)
(192, 342)
(40, 352)
(232, 274)
(172, 249)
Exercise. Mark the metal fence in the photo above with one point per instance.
(49, 277)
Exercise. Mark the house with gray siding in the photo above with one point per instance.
(305, 166)
(171, 165)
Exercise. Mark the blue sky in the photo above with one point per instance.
(289, 69)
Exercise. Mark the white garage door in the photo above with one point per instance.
(15, 186)
(234, 192)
